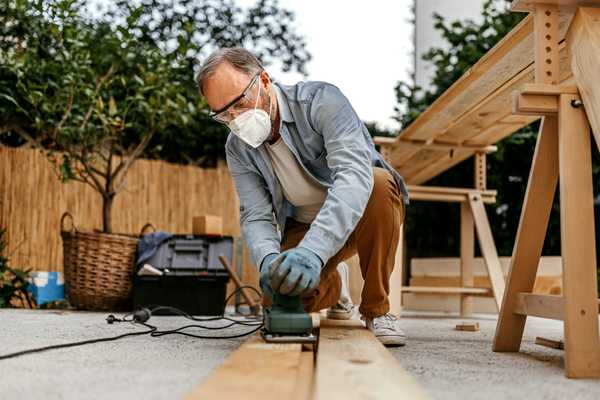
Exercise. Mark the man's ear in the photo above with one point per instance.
(265, 79)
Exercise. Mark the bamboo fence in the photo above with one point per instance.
(32, 200)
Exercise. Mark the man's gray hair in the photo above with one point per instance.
(240, 58)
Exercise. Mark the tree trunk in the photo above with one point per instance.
(107, 203)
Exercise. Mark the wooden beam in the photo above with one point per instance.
(533, 223)
(578, 246)
(480, 171)
(467, 255)
(488, 247)
(353, 364)
(473, 291)
(584, 44)
(388, 142)
(545, 32)
(447, 194)
(255, 371)
(540, 305)
(535, 104)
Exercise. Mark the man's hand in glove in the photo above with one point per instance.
(265, 268)
(296, 272)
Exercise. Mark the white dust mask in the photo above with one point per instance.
(253, 126)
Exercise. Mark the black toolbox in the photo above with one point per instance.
(193, 279)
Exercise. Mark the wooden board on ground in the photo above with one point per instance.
(257, 370)
(353, 364)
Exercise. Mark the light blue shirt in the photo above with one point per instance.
(333, 145)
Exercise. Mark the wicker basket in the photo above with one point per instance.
(98, 268)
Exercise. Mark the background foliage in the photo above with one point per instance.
(434, 229)
(176, 33)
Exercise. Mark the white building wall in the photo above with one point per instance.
(427, 37)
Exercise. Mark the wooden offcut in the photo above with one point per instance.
(468, 327)
(553, 344)
(210, 225)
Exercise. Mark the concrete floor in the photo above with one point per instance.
(449, 364)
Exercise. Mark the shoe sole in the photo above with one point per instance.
(339, 315)
(392, 341)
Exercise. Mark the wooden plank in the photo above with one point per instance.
(543, 284)
(483, 123)
(353, 364)
(450, 266)
(529, 5)
(539, 305)
(473, 291)
(488, 247)
(584, 44)
(533, 223)
(257, 370)
(447, 194)
(467, 254)
(511, 55)
(305, 380)
(578, 247)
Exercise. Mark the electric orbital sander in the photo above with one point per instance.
(287, 322)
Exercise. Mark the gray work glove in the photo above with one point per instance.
(296, 272)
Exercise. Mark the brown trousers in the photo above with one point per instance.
(375, 239)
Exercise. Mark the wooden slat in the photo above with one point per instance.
(533, 223)
(545, 306)
(582, 342)
(255, 371)
(447, 290)
(437, 193)
(543, 284)
(353, 364)
(584, 45)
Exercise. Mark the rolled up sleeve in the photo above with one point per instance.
(349, 159)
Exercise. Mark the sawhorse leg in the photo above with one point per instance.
(533, 224)
(578, 242)
(487, 247)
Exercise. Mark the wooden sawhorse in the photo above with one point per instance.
(563, 149)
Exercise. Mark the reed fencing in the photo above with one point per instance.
(32, 200)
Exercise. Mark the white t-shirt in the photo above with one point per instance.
(299, 188)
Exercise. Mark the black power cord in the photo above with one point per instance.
(141, 316)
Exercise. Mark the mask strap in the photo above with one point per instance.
(258, 95)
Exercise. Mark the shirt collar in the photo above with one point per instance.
(284, 109)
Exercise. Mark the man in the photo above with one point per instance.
(313, 190)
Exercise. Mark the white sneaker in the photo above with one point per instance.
(344, 309)
(386, 328)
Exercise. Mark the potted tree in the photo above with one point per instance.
(91, 97)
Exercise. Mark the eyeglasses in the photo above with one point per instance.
(223, 115)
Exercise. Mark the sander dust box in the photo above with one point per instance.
(183, 271)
